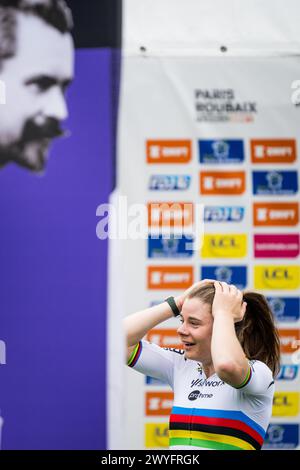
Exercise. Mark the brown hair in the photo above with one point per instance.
(257, 332)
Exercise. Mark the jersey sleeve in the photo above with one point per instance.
(152, 360)
(258, 380)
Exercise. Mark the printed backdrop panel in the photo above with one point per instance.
(220, 134)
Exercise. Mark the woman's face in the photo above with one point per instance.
(195, 330)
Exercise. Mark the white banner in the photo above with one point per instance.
(219, 137)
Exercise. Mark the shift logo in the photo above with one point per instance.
(224, 246)
(159, 403)
(236, 275)
(288, 372)
(224, 213)
(276, 277)
(275, 182)
(168, 151)
(273, 151)
(169, 182)
(221, 151)
(285, 309)
(170, 277)
(222, 182)
(2, 353)
(276, 214)
(282, 436)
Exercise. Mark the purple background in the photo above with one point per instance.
(53, 278)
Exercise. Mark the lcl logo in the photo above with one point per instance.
(281, 400)
(278, 274)
(224, 242)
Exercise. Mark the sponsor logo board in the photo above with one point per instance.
(285, 309)
(162, 247)
(222, 183)
(224, 213)
(275, 182)
(221, 151)
(282, 436)
(289, 340)
(276, 277)
(168, 151)
(236, 275)
(169, 182)
(170, 214)
(276, 245)
(224, 246)
(156, 435)
(164, 337)
(276, 214)
(273, 150)
(285, 404)
(170, 277)
(158, 403)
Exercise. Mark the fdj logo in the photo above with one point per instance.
(194, 395)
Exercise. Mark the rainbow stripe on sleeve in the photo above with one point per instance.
(247, 379)
(214, 429)
(135, 355)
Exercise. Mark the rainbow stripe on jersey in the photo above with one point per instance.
(214, 429)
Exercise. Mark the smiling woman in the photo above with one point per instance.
(223, 378)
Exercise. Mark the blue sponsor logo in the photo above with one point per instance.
(223, 214)
(282, 436)
(172, 247)
(153, 381)
(236, 275)
(275, 182)
(288, 372)
(169, 182)
(221, 151)
(285, 309)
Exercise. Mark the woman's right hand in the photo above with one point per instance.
(181, 298)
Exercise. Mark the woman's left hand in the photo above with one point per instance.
(228, 300)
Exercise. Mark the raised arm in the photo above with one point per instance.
(137, 325)
(230, 362)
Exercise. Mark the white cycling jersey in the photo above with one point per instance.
(208, 413)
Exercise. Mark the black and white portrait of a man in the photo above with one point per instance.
(36, 68)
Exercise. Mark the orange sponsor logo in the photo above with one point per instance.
(275, 214)
(158, 403)
(222, 182)
(168, 151)
(273, 151)
(170, 277)
(165, 338)
(170, 214)
(289, 340)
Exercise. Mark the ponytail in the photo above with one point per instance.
(257, 332)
